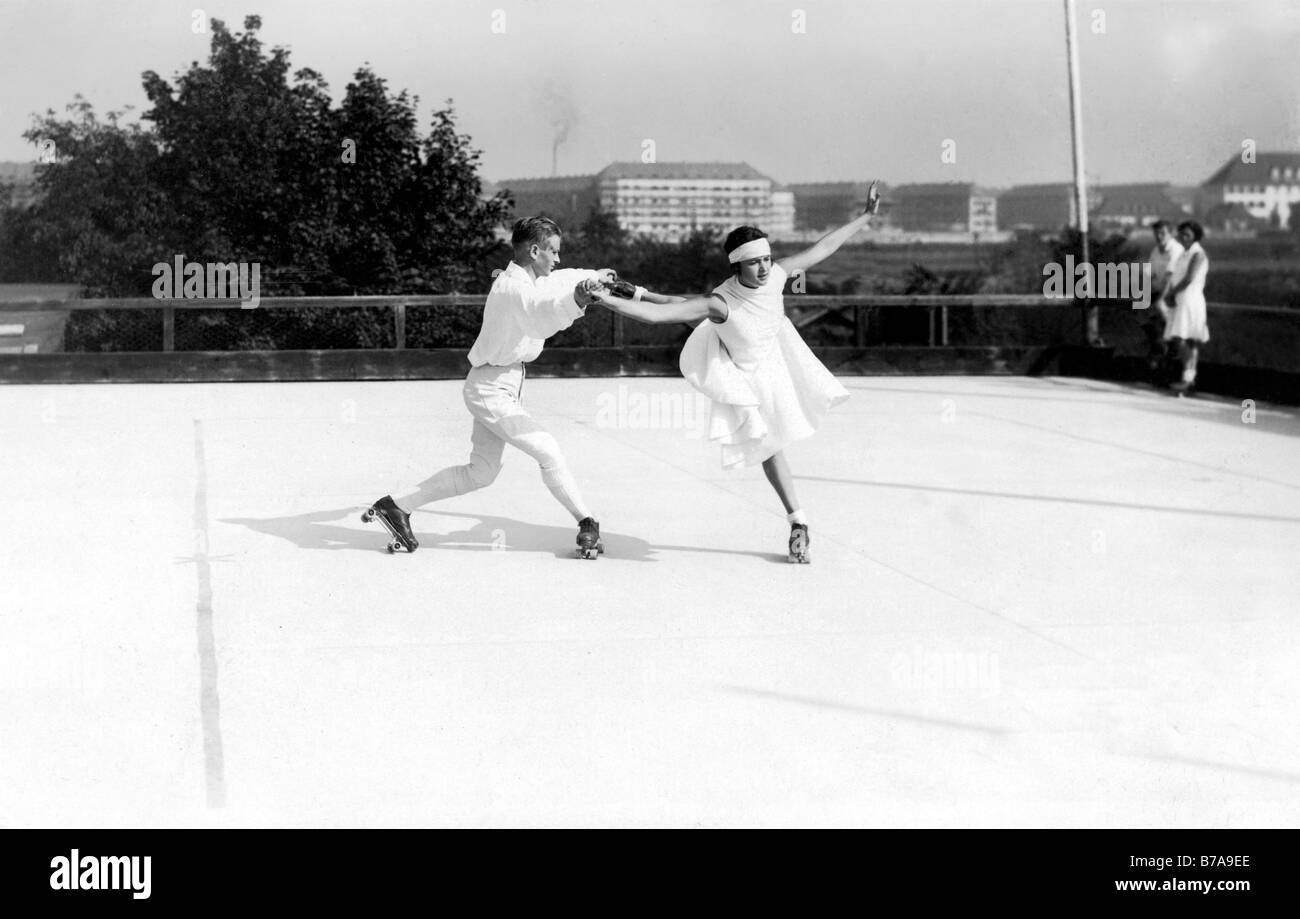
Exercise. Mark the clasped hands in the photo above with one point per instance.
(606, 281)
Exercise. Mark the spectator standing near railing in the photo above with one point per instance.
(1163, 257)
(1188, 328)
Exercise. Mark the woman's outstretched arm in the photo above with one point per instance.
(666, 309)
(825, 247)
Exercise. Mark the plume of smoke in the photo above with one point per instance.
(561, 114)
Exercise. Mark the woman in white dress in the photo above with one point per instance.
(1187, 328)
(767, 388)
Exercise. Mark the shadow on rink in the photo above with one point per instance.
(886, 714)
(327, 530)
(1138, 396)
(1055, 499)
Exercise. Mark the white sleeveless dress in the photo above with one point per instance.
(1188, 317)
(768, 389)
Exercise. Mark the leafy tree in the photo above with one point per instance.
(694, 265)
(452, 226)
(246, 163)
(98, 216)
(248, 159)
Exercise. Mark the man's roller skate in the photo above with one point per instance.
(799, 545)
(396, 521)
(589, 542)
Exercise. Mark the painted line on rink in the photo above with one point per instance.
(209, 698)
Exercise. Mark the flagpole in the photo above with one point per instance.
(1091, 328)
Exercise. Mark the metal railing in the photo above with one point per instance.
(853, 313)
(821, 306)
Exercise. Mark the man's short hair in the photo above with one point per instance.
(1197, 231)
(529, 230)
(1161, 223)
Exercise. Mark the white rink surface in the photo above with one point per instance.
(1033, 602)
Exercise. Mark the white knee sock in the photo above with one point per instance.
(561, 483)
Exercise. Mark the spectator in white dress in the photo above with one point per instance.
(1188, 329)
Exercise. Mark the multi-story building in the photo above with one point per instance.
(826, 205)
(1267, 188)
(669, 200)
(1043, 207)
(1126, 208)
(939, 207)
(566, 199)
(781, 219)
(1185, 196)
(983, 211)
(662, 200)
(944, 207)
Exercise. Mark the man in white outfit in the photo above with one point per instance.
(529, 302)
(1164, 256)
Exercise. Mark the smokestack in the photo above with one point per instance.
(562, 115)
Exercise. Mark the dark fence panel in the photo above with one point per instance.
(1254, 352)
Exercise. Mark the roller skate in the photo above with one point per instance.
(799, 545)
(396, 521)
(589, 542)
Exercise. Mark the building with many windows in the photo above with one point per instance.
(669, 200)
(1047, 207)
(937, 207)
(944, 207)
(1268, 188)
(983, 211)
(1125, 208)
(780, 221)
(662, 200)
(826, 205)
(565, 199)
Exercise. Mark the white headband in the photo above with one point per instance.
(752, 249)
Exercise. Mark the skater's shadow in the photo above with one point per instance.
(505, 534)
(327, 530)
(318, 530)
(514, 535)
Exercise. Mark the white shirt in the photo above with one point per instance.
(521, 313)
(1162, 262)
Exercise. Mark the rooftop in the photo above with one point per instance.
(1149, 198)
(845, 189)
(1033, 602)
(551, 183)
(1041, 188)
(1235, 172)
(930, 189)
(683, 170)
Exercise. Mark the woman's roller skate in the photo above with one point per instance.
(589, 542)
(396, 521)
(799, 545)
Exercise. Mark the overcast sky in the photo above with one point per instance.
(870, 89)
